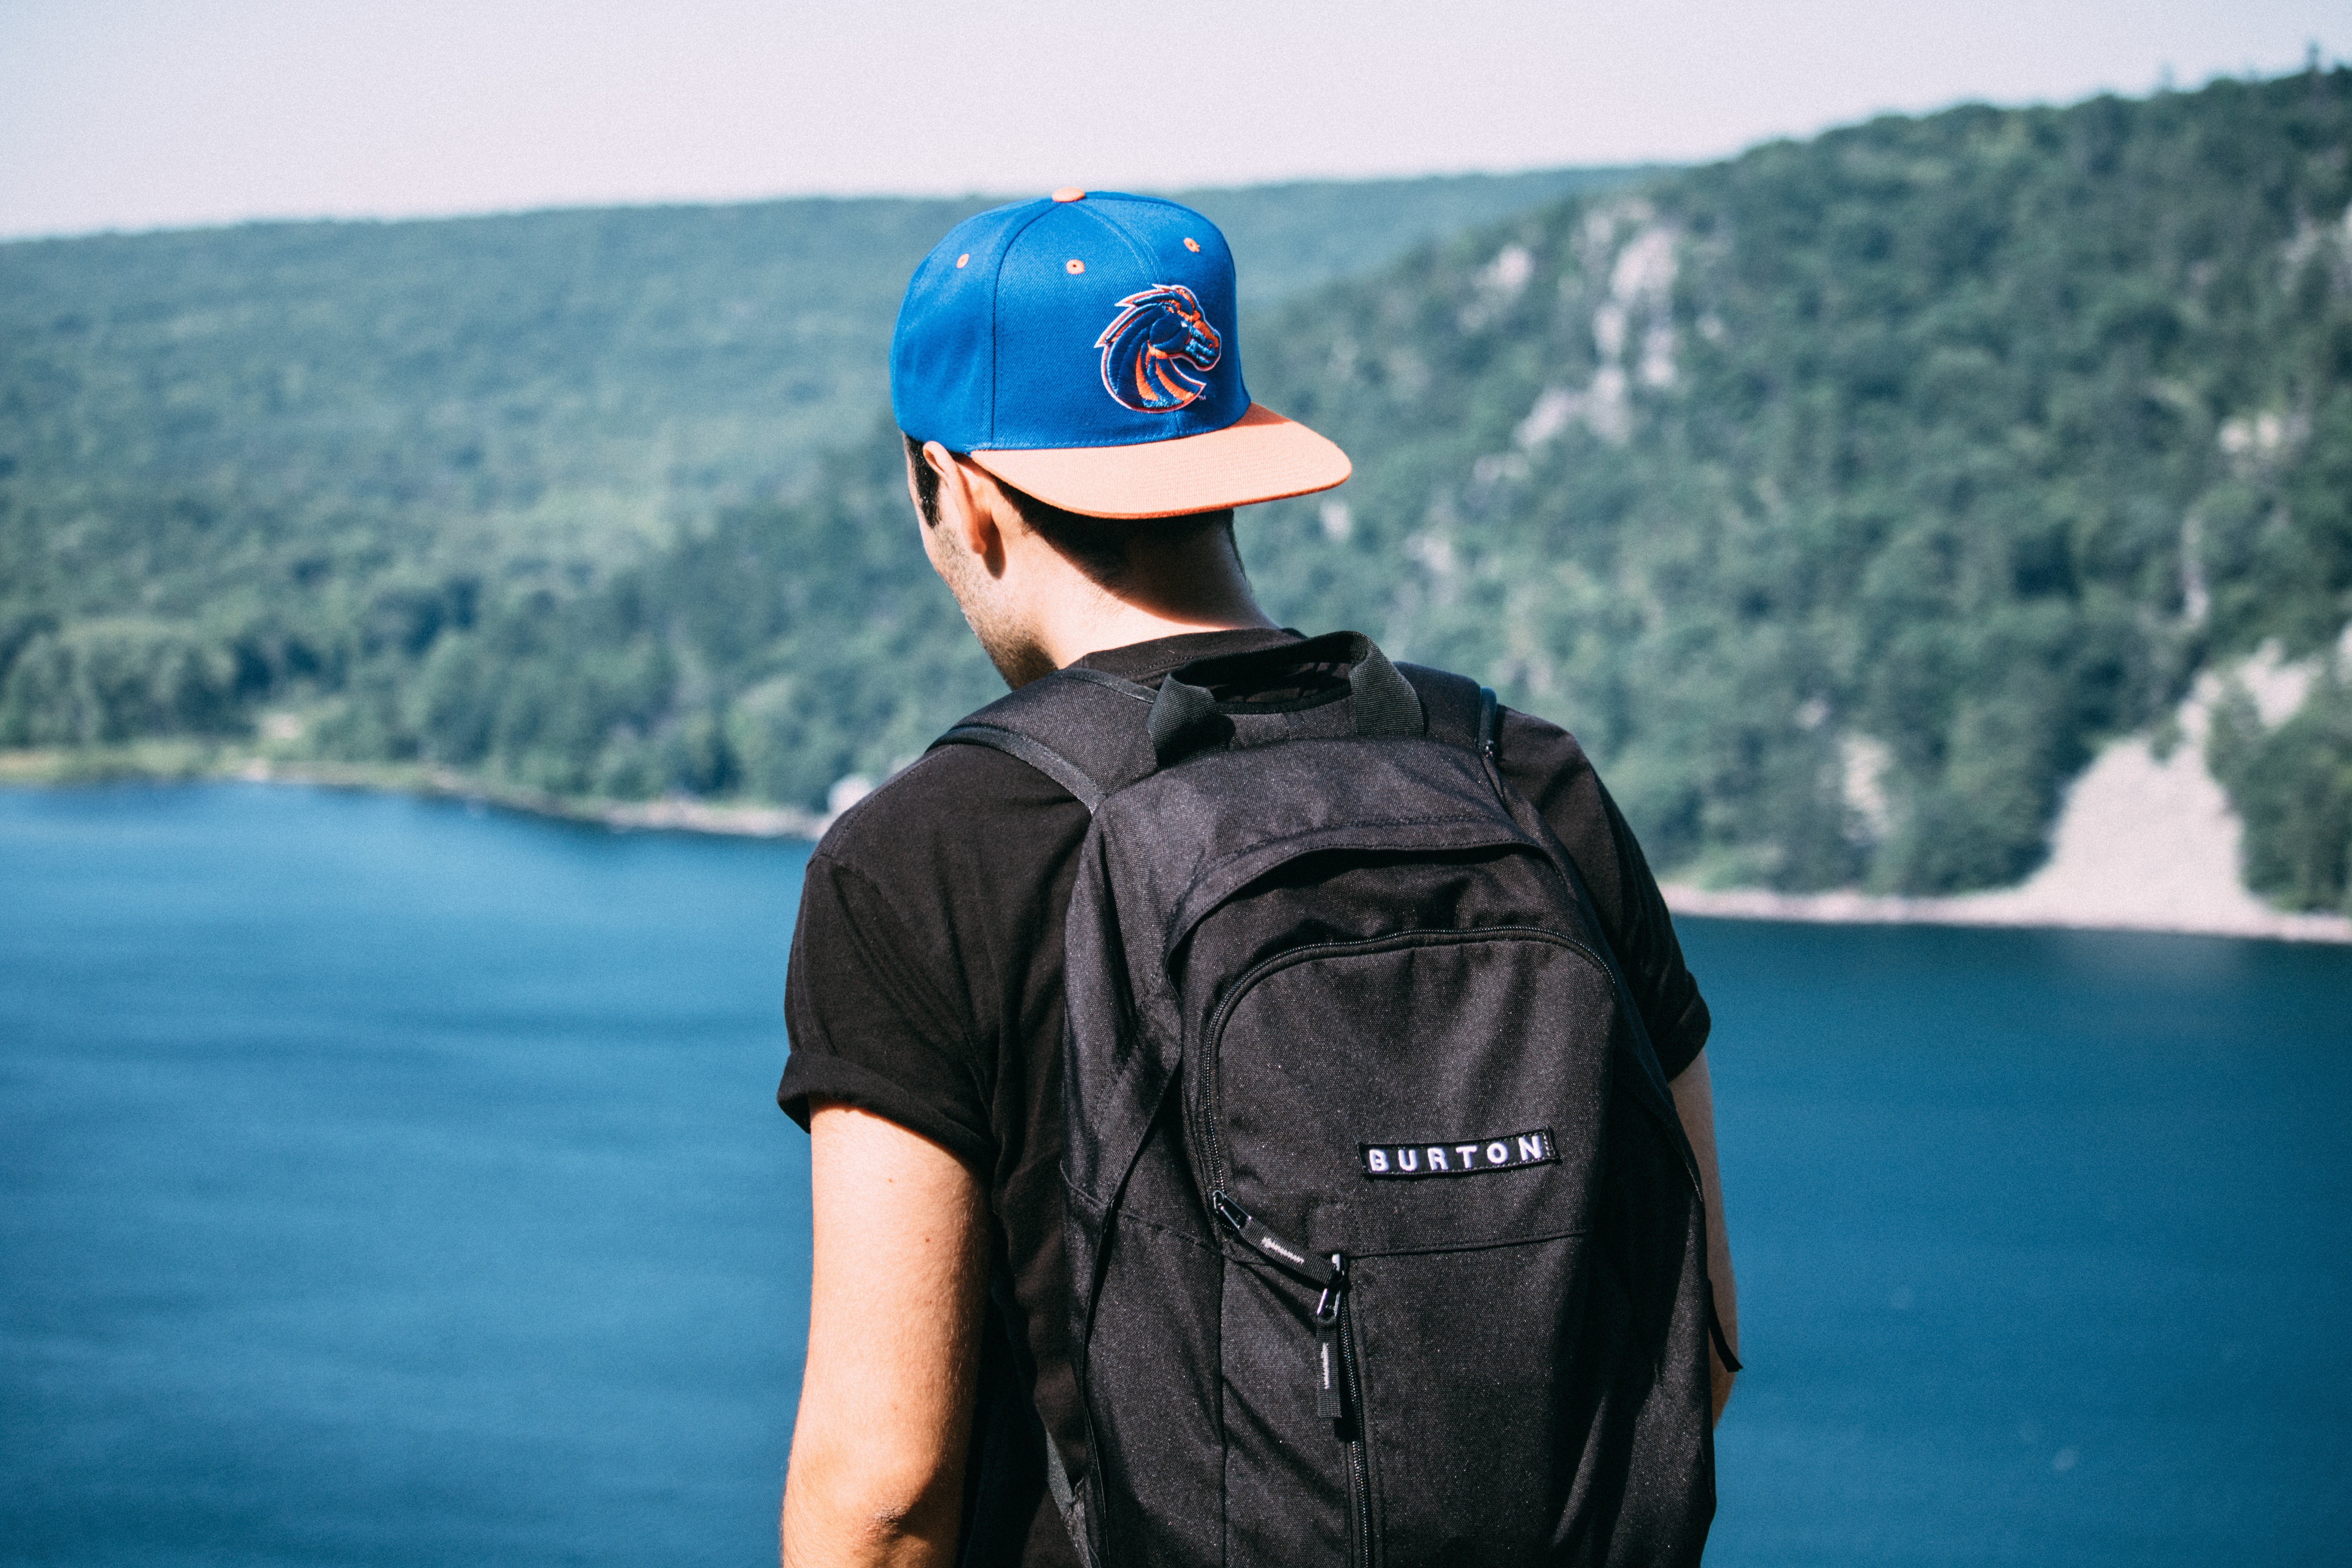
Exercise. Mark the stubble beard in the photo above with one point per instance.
(1016, 655)
(1009, 648)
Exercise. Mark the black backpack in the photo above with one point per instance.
(1386, 1244)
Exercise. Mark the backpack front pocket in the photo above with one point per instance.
(1408, 1092)
(1380, 1125)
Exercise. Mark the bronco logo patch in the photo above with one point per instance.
(1157, 349)
(1469, 1157)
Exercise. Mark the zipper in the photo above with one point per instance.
(1340, 1399)
(1351, 1433)
(1339, 1379)
(1330, 1349)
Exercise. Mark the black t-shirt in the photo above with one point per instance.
(925, 977)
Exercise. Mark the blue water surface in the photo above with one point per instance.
(386, 1182)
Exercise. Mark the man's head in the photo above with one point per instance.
(1017, 564)
(1067, 373)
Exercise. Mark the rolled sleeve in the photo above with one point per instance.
(867, 1029)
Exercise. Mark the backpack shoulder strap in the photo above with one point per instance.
(1081, 728)
(1466, 713)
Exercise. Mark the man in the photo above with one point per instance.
(1068, 380)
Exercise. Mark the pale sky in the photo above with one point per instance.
(145, 114)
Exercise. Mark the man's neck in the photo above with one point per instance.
(1170, 589)
(1075, 637)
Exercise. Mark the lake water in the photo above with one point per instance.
(387, 1182)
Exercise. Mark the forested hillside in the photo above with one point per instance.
(290, 465)
(1843, 497)
(551, 386)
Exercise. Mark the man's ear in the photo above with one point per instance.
(968, 503)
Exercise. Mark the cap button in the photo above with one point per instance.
(1068, 193)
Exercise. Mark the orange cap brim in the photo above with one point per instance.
(1259, 457)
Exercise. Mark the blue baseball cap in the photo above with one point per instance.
(1084, 348)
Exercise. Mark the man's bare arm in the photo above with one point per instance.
(1695, 1102)
(897, 1290)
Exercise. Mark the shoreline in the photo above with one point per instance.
(59, 769)
(2001, 907)
(2043, 902)
(671, 814)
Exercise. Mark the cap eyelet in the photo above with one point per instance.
(1073, 266)
(1191, 244)
(964, 258)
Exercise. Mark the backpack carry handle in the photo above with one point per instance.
(1386, 703)
(1186, 717)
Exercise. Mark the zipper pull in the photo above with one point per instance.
(1290, 1259)
(1330, 1401)
(1232, 1213)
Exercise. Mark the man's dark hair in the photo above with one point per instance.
(1097, 546)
